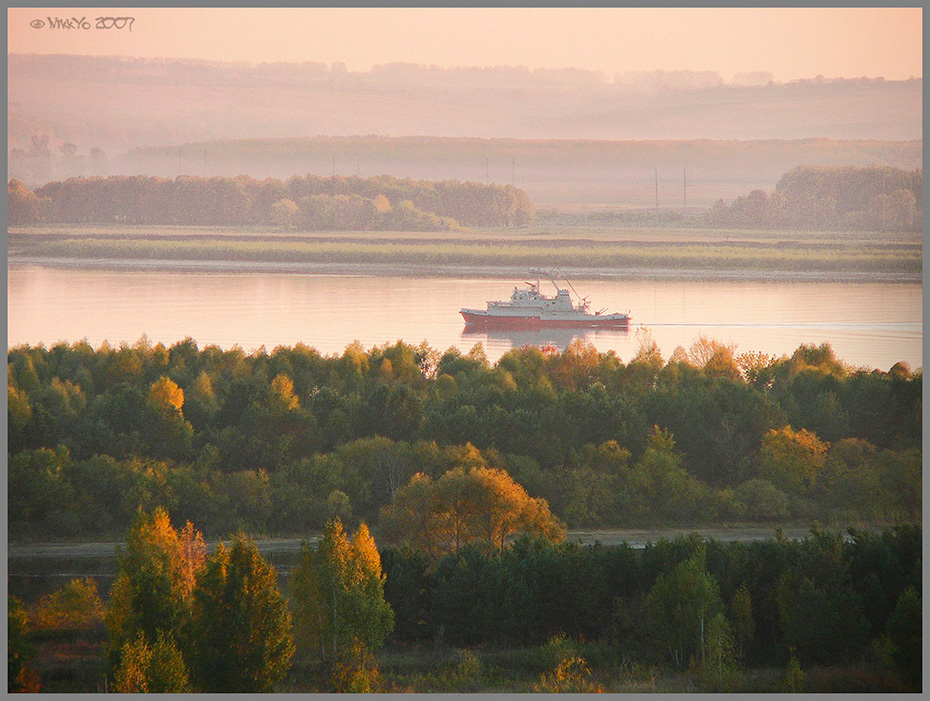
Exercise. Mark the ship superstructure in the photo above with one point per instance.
(528, 307)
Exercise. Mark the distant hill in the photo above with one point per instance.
(117, 104)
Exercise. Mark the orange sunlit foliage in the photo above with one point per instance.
(157, 575)
(792, 459)
(74, 606)
(166, 395)
(282, 392)
(466, 505)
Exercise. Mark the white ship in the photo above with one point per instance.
(530, 308)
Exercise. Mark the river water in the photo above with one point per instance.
(871, 324)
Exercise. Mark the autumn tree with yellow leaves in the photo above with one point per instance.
(150, 599)
(338, 593)
(466, 505)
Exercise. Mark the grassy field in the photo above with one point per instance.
(588, 247)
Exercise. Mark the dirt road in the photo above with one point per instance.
(637, 538)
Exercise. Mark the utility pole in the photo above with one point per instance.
(657, 195)
(685, 178)
(884, 200)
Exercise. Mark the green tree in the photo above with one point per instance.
(763, 501)
(795, 679)
(338, 594)
(241, 634)
(679, 607)
(164, 427)
(19, 414)
(720, 670)
(40, 496)
(659, 488)
(792, 460)
(820, 610)
(153, 589)
(905, 633)
(851, 481)
(744, 625)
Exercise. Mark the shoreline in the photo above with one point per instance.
(508, 272)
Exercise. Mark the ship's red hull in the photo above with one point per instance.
(535, 322)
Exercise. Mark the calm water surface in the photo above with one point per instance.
(868, 324)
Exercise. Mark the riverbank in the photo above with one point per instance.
(459, 271)
(581, 252)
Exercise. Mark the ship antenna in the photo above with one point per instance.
(570, 285)
(549, 274)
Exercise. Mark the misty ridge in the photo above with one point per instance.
(570, 137)
(152, 102)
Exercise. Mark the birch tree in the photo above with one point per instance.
(338, 594)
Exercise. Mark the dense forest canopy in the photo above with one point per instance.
(278, 442)
(306, 203)
(468, 473)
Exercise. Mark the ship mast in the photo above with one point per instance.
(551, 275)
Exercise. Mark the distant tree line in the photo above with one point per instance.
(279, 442)
(304, 203)
(876, 198)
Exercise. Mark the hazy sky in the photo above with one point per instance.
(791, 43)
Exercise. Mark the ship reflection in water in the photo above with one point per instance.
(560, 338)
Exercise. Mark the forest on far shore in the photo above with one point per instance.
(311, 203)
(873, 198)
(876, 198)
(279, 442)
